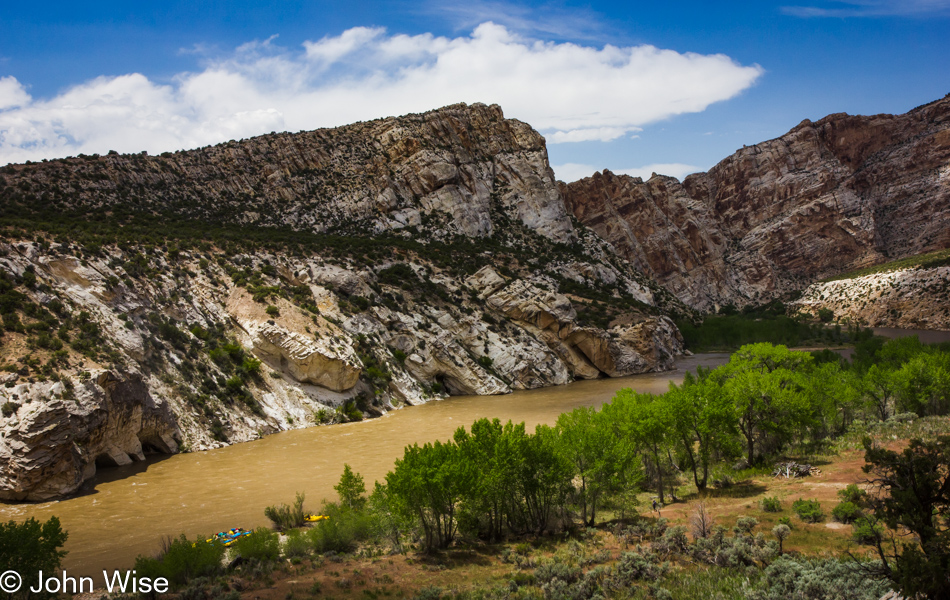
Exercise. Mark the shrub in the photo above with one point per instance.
(781, 532)
(9, 408)
(272, 311)
(251, 366)
(745, 525)
(853, 494)
(287, 517)
(822, 579)
(771, 504)
(636, 566)
(867, 531)
(341, 531)
(262, 545)
(557, 570)
(30, 547)
(296, 544)
(182, 560)
(846, 512)
(234, 384)
(808, 510)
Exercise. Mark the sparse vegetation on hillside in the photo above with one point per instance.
(928, 260)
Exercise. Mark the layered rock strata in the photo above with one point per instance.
(439, 171)
(827, 197)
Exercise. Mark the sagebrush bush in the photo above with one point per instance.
(182, 561)
(821, 579)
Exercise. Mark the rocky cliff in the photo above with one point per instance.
(213, 296)
(912, 297)
(439, 172)
(827, 197)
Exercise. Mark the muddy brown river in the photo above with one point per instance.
(126, 511)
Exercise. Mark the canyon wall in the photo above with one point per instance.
(827, 197)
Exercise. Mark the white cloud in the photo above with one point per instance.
(12, 93)
(567, 91)
(873, 8)
(598, 134)
(569, 172)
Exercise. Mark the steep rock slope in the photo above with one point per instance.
(826, 197)
(242, 299)
(441, 167)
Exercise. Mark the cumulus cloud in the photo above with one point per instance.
(569, 92)
(569, 172)
(873, 8)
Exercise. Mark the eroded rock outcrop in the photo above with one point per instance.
(827, 197)
(58, 432)
(305, 360)
(588, 352)
(907, 298)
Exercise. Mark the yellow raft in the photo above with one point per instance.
(315, 518)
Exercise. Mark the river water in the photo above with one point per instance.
(125, 511)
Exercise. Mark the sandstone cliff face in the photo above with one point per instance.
(58, 432)
(439, 172)
(827, 197)
(906, 298)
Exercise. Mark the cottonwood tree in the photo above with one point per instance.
(703, 421)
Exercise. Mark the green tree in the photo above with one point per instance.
(351, 489)
(647, 424)
(764, 383)
(911, 495)
(544, 479)
(592, 449)
(923, 384)
(428, 483)
(836, 396)
(487, 498)
(703, 421)
(880, 387)
(31, 547)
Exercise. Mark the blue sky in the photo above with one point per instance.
(626, 86)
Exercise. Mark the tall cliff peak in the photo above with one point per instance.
(442, 171)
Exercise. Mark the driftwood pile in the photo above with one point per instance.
(790, 470)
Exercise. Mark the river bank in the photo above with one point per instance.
(127, 510)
